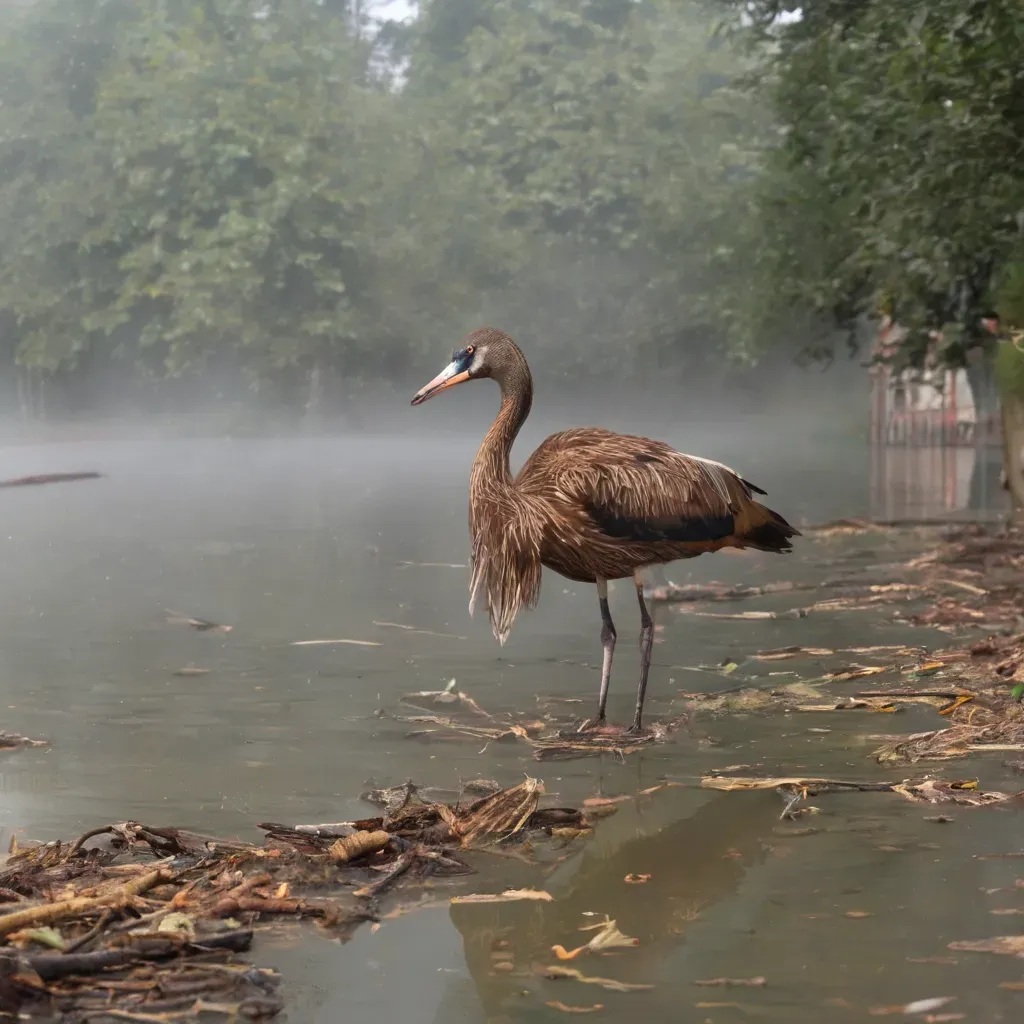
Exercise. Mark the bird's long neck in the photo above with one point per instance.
(491, 465)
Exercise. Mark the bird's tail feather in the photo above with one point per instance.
(768, 531)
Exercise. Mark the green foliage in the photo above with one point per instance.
(897, 182)
(1009, 294)
(1009, 365)
(283, 187)
(610, 137)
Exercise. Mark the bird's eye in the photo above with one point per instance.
(469, 350)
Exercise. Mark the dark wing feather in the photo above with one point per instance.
(651, 529)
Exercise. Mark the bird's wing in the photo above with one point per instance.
(635, 489)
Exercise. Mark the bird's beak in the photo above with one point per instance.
(447, 378)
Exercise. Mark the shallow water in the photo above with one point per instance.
(326, 539)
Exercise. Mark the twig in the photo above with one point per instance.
(50, 966)
(85, 837)
(404, 862)
(48, 478)
(146, 1018)
(91, 933)
(50, 912)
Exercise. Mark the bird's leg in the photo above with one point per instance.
(646, 643)
(608, 636)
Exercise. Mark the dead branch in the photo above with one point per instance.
(50, 912)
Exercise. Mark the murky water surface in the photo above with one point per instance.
(326, 539)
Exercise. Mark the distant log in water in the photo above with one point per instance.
(48, 478)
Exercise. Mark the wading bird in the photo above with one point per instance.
(590, 504)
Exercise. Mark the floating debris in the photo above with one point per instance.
(329, 643)
(758, 982)
(552, 739)
(413, 629)
(202, 625)
(556, 971)
(508, 896)
(794, 789)
(49, 478)
(606, 937)
(1004, 945)
(14, 741)
(917, 1007)
(786, 653)
(683, 593)
(136, 922)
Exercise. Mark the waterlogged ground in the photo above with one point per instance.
(843, 912)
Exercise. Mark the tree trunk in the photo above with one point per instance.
(1013, 445)
(315, 395)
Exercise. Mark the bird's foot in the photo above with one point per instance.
(593, 724)
(637, 731)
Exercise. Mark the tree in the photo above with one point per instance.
(611, 141)
(279, 191)
(902, 124)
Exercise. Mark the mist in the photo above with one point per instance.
(293, 211)
(237, 238)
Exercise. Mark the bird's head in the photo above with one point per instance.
(484, 352)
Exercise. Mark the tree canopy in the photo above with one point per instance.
(287, 185)
(897, 183)
(284, 187)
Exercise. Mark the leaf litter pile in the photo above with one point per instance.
(133, 922)
(969, 585)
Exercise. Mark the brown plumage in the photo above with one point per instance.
(590, 504)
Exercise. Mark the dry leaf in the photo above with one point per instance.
(43, 936)
(1007, 945)
(178, 923)
(927, 1005)
(957, 791)
(857, 672)
(554, 971)
(500, 815)
(958, 702)
(607, 937)
(556, 1005)
(632, 879)
(918, 1006)
(508, 896)
(857, 914)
